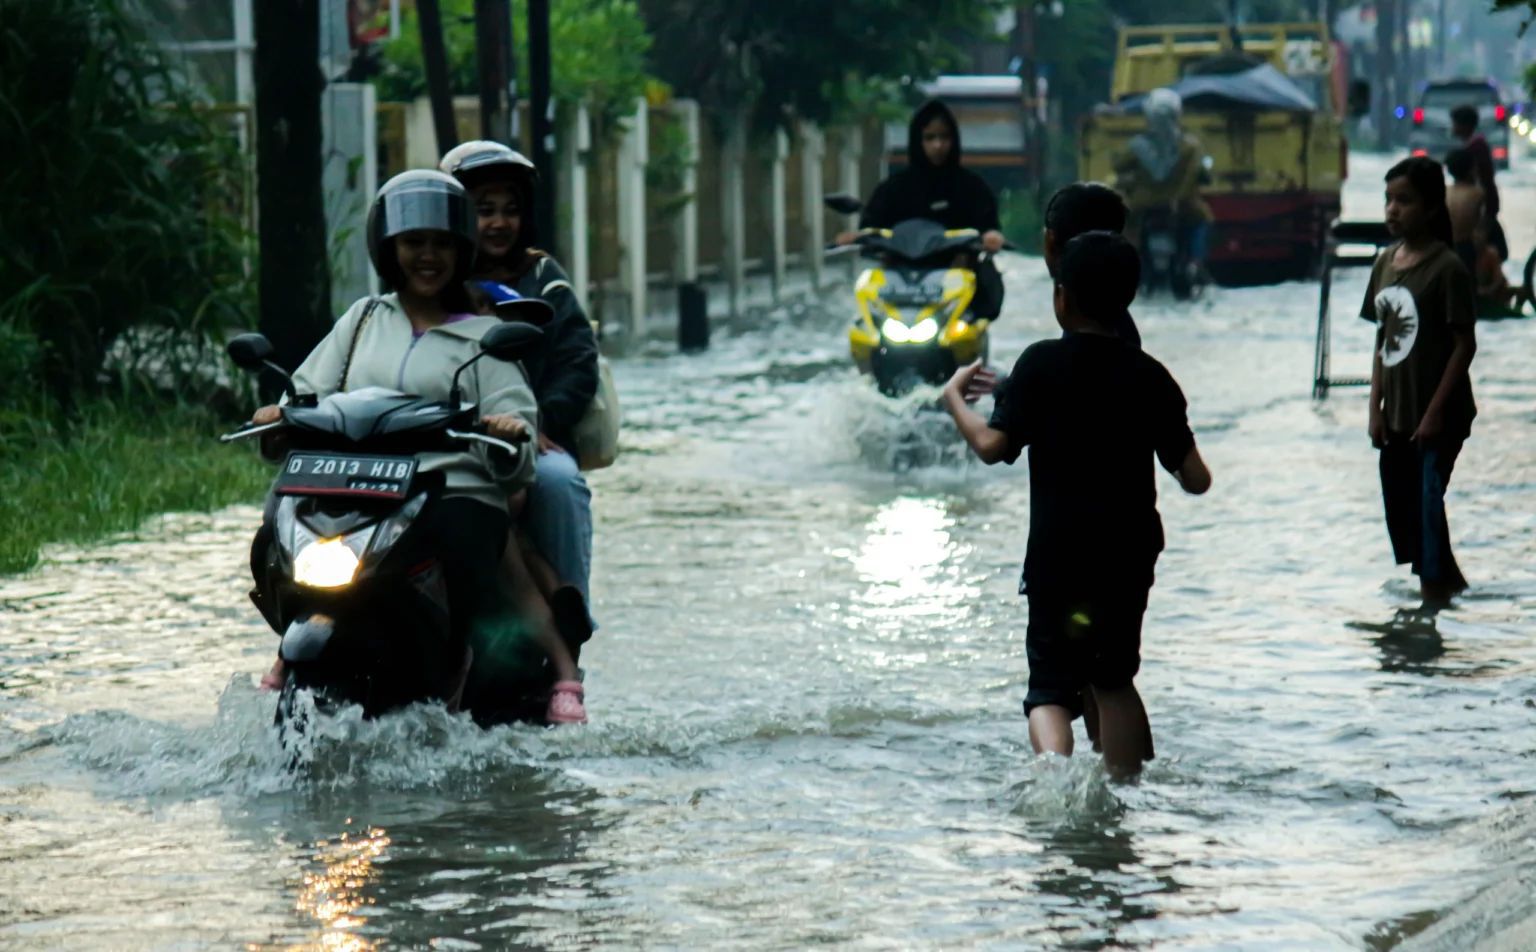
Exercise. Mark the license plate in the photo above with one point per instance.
(343, 474)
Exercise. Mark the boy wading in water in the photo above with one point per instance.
(1093, 410)
(1421, 298)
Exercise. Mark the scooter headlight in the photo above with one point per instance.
(923, 331)
(895, 331)
(325, 563)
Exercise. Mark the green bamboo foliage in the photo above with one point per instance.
(122, 207)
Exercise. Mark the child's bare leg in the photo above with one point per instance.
(1050, 729)
(1124, 731)
(534, 611)
(543, 574)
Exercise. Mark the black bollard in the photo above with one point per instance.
(692, 317)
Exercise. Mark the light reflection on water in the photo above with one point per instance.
(806, 697)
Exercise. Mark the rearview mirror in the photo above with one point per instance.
(512, 341)
(843, 203)
(250, 352)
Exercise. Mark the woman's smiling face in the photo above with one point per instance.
(500, 219)
(427, 260)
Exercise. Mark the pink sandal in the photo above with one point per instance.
(565, 703)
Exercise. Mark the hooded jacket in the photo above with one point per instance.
(387, 354)
(954, 197)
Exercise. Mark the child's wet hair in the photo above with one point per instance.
(1464, 117)
(1427, 179)
(1083, 207)
(1100, 272)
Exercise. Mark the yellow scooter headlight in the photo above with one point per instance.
(895, 331)
(922, 332)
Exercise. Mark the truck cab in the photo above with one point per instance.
(1265, 101)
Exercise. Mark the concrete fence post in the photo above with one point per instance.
(848, 155)
(733, 157)
(633, 155)
(350, 175)
(685, 266)
(573, 145)
(813, 147)
(778, 213)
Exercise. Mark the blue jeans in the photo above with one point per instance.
(558, 520)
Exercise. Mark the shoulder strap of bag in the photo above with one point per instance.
(346, 367)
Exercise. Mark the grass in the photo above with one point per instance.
(116, 466)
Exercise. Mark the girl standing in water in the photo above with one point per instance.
(1421, 298)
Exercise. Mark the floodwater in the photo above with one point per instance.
(805, 697)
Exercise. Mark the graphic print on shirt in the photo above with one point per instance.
(1398, 316)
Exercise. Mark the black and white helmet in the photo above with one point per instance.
(420, 200)
(481, 161)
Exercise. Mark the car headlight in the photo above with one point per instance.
(325, 563)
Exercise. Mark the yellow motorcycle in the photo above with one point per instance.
(914, 323)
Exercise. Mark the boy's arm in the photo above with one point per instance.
(990, 445)
(1376, 421)
(1193, 475)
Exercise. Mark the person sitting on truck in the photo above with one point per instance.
(1161, 170)
(1464, 127)
(935, 186)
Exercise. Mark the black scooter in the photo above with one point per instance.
(342, 571)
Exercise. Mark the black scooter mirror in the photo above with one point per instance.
(512, 341)
(253, 353)
(843, 203)
(250, 352)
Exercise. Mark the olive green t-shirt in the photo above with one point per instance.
(1416, 309)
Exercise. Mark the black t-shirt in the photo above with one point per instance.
(1093, 411)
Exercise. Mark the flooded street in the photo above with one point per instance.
(806, 692)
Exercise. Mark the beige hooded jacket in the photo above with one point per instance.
(389, 355)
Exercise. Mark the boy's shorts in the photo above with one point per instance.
(1078, 640)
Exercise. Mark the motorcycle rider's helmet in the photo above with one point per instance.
(481, 161)
(420, 200)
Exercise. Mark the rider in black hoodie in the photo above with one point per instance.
(934, 186)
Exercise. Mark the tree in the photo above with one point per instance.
(120, 204)
(1529, 6)
(599, 50)
(780, 59)
(295, 267)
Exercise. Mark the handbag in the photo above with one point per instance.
(597, 432)
(357, 333)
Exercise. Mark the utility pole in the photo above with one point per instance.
(1386, 71)
(294, 283)
(435, 58)
(1025, 47)
(541, 128)
(493, 43)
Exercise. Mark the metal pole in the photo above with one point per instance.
(435, 57)
(493, 19)
(539, 118)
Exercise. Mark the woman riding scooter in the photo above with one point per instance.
(558, 522)
(421, 239)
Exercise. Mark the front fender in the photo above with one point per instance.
(306, 638)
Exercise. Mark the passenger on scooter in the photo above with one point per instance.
(501, 183)
(935, 186)
(1160, 172)
(422, 240)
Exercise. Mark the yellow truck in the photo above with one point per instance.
(1266, 102)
